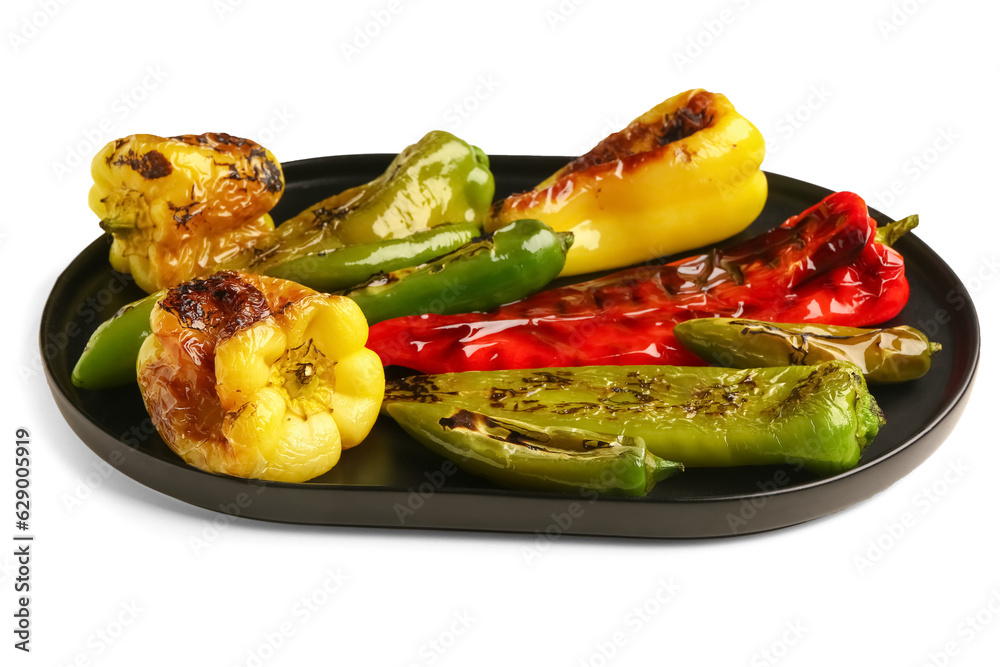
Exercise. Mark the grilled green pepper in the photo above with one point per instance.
(883, 355)
(339, 268)
(109, 358)
(517, 454)
(480, 275)
(439, 179)
(509, 264)
(818, 417)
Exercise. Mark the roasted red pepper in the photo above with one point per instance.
(823, 265)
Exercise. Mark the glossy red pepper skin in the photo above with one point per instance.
(820, 266)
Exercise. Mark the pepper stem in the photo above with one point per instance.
(117, 225)
(889, 234)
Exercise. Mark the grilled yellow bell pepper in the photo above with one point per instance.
(684, 174)
(259, 377)
(180, 207)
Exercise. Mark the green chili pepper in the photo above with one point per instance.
(517, 454)
(109, 358)
(337, 269)
(440, 179)
(507, 265)
(817, 417)
(884, 355)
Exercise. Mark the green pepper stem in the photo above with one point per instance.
(889, 234)
(117, 225)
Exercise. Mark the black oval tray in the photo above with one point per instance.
(392, 481)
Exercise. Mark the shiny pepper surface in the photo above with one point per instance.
(683, 175)
(896, 354)
(178, 208)
(823, 265)
(440, 179)
(259, 377)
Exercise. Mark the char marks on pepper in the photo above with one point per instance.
(150, 165)
(693, 117)
(221, 304)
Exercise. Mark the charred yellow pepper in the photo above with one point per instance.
(684, 174)
(259, 377)
(180, 207)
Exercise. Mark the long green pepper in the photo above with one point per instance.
(509, 264)
(820, 417)
(895, 354)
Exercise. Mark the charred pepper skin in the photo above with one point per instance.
(179, 207)
(517, 454)
(895, 354)
(818, 417)
(821, 266)
(507, 265)
(258, 377)
(440, 179)
(683, 175)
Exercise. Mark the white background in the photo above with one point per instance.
(873, 83)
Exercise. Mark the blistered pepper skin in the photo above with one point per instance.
(823, 266)
(259, 377)
(896, 354)
(178, 208)
(817, 417)
(516, 454)
(683, 175)
(440, 179)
